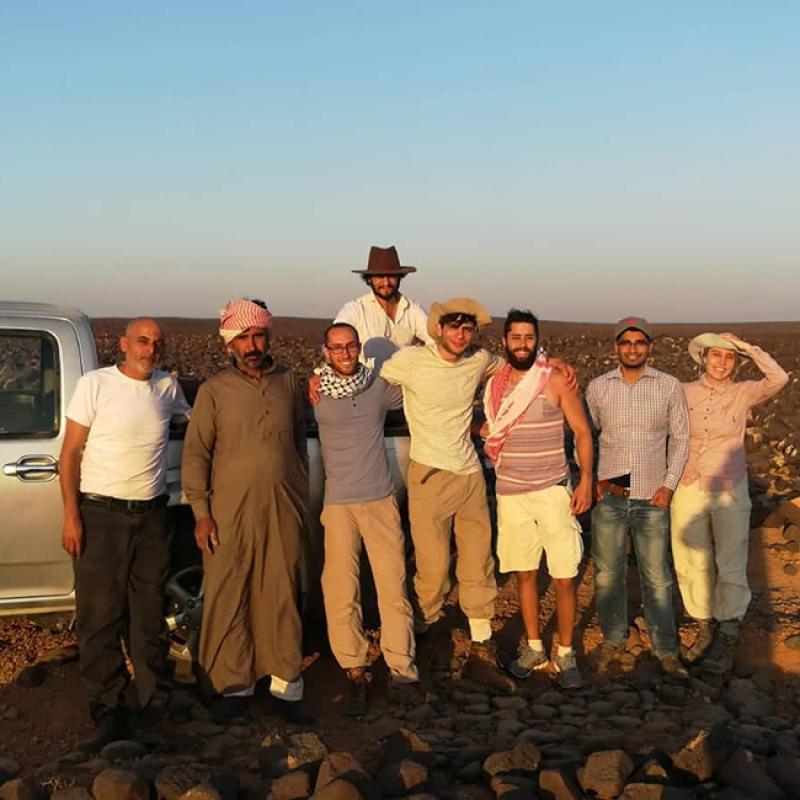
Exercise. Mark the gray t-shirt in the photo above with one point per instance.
(351, 440)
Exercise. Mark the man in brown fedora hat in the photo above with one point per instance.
(384, 318)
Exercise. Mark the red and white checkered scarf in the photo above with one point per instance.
(239, 315)
(502, 414)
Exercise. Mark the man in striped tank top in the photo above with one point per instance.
(526, 404)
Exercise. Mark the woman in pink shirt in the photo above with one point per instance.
(711, 507)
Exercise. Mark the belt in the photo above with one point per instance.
(615, 489)
(131, 506)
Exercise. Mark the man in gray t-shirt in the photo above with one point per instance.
(360, 507)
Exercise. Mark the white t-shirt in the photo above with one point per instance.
(128, 420)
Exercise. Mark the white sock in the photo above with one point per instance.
(536, 644)
(292, 691)
(246, 692)
(480, 630)
(563, 650)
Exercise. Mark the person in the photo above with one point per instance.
(446, 488)
(526, 404)
(113, 469)
(711, 507)
(245, 474)
(636, 409)
(360, 509)
(384, 318)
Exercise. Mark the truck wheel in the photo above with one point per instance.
(183, 619)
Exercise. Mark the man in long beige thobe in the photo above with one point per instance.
(245, 474)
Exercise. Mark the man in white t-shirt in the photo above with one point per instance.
(385, 319)
(113, 482)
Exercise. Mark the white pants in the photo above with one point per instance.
(710, 536)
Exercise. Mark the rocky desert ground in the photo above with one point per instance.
(632, 733)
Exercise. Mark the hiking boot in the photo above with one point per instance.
(569, 676)
(294, 712)
(401, 693)
(482, 667)
(110, 726)
(356, 703)
(605, 655)
(671, 665)
(703, 642)
(719, 658)
(226, 708)
(527, 661)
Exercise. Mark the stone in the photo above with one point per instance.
(292, 786)
(471, 772)
(543, 712)
(382, 728)
(401, 778)
(406, 744)
(512, 703)
(654, 791)
(421, 715)
(672, 694)
(72, 758)
(600, 741)
(512, 787)
(174, 780)
(559, 784)
(793, 641)
(120, 784)
(550, 698)
(602, 708)
(305, 749)
(338, 765)
(743, 772)
(8, 769)
(744, 700)
(624, 721)
(21, 789)
(59, 655)
(340, 789)
(32, 676)
(523, 757)
(704, 752)
(71, 793)
(123, 750)
(785, 772)
(205, 791)
(605, 773)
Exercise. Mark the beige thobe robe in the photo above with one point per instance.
(244, 464)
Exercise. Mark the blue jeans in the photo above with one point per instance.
(649, 526)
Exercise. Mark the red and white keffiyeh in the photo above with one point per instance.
(503, 413)
(239, 315)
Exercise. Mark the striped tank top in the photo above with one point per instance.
(533, 455)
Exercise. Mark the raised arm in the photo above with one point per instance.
(775, 376)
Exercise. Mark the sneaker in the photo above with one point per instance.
(603, 656)
(671, 665)
(719, 659)
(401, 693)
(569, 676)
(356, 703)
(703, 643)
(111, 726)
(482, 667)
(528, 661)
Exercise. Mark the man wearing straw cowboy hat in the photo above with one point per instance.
(384, 318)
(711, 507)
(245, 473)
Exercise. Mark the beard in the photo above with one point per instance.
(521, 364)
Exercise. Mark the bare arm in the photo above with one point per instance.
(69, 470)
(575, 415)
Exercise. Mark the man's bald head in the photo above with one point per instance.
(143, 346)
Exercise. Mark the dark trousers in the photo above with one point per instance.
(119, 587)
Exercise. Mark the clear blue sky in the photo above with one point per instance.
(587, 160)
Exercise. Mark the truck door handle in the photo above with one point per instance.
(32, 468)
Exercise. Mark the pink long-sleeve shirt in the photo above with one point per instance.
(717, 421)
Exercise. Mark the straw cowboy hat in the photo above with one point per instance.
(458, 305)
(701, 343)
(384, 261)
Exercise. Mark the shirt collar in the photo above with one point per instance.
(720, 388)
(402, 304)
(616, 374)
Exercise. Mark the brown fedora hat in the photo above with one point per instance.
(384, 261)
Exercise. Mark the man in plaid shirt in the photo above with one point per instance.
(643, 424)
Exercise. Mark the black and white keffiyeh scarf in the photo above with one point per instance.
(337, 387)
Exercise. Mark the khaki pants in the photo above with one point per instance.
(447, 501)
(377, 525)
(710, 532)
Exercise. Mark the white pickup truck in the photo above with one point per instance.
(44, 349)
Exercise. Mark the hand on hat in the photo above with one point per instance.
(739, 344)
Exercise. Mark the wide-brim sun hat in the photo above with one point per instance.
(701, 343)
(384, 261)
(457, 305)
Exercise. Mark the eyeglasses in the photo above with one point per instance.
(338, 349)
(466, 327)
